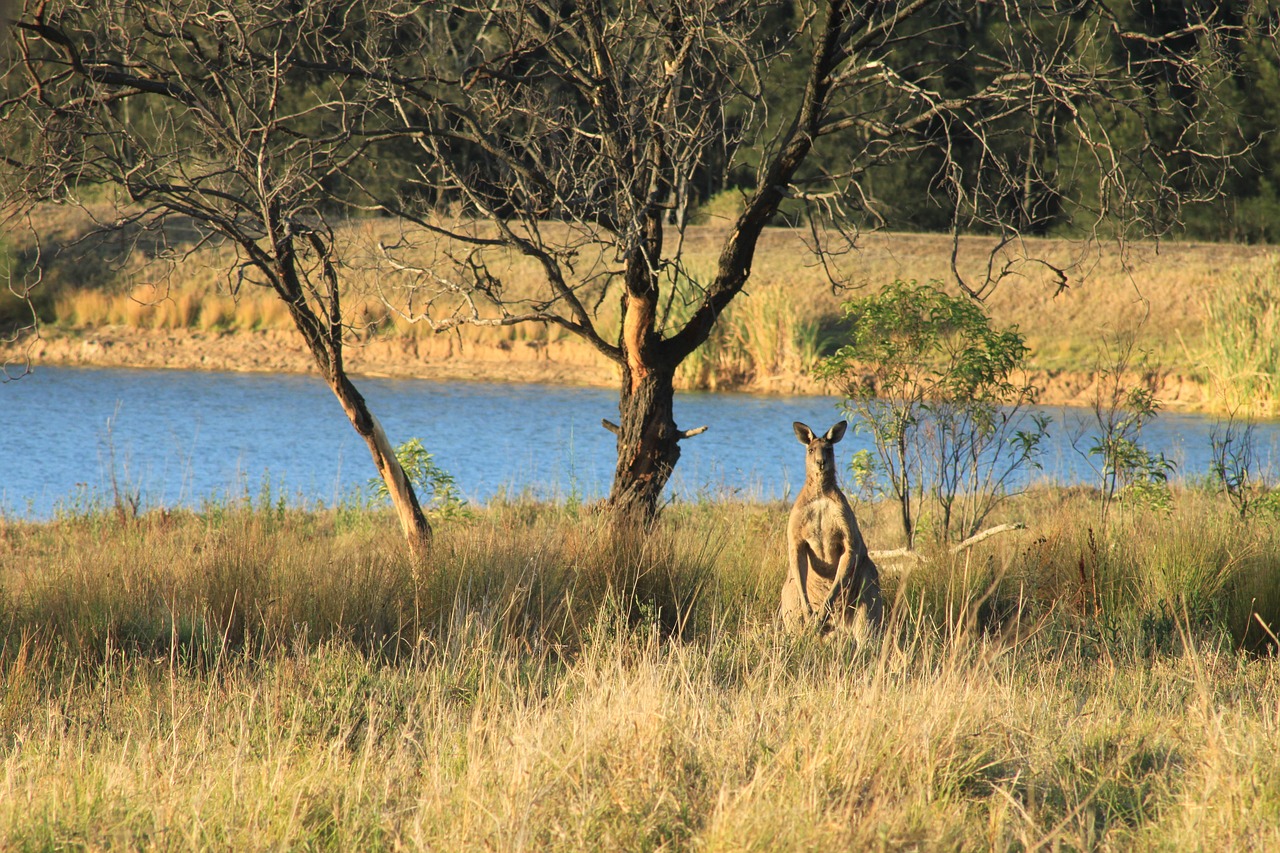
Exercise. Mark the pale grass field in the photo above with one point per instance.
(273, 678)
(1196, 309)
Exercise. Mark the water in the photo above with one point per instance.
(182, 438)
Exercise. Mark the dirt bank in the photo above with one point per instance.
(565, 362)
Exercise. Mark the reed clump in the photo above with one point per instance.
(269, 677)
(1242, 338)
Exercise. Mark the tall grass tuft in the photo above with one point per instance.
(1242, 338)
(762, 334)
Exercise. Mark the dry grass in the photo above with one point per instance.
(1176, 298)
(271, 678)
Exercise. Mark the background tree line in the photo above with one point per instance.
(902, 192)
(1237, 201)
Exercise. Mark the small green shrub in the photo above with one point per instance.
(935, 383)
(436, 487)
(721, 209)
(1121, 410)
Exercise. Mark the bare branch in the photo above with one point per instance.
(581, 136)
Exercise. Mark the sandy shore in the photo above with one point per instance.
(567, 362)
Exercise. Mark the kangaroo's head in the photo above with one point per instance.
(820, 455)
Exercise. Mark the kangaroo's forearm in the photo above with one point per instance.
(840, 580)
(799, 571)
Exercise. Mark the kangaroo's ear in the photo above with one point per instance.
(837, 432)
(803, 432)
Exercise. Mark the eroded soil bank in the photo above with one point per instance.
(565, 362)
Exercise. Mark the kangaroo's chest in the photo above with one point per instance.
(825, 531)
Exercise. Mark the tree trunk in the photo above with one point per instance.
(648, 444)
(324, 339)
(904, 490)
(412, 520)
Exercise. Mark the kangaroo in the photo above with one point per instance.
(830, 573)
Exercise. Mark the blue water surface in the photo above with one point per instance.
(186, 437)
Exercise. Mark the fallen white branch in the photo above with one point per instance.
(896, 554)
(915, 556)
(984, 535)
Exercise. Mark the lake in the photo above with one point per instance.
(185, 437)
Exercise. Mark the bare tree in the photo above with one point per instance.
(573, 134)
(203, 112)
(578, 134)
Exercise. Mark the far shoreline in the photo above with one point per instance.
(562, 363)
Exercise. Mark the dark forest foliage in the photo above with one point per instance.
(1237, 200)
